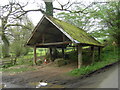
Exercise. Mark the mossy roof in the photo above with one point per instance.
(76, 33)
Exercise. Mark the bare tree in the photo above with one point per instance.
(10, 16)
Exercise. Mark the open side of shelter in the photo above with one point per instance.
(53, 33)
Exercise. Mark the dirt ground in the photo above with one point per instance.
(55, 76)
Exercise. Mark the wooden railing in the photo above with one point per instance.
(12, 60)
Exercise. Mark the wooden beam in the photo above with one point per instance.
(92, 54)
(79, 56)
(35, 56)
(56, 43)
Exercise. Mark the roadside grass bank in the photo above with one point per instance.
(109, 56)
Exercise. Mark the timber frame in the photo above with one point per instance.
(53, 33)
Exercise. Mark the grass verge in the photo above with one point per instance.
(108, 57)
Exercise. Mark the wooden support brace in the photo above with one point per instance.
(79, 56)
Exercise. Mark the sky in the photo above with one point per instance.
(35, 4)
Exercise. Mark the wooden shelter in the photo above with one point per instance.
(53, 33)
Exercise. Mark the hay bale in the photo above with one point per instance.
(61, 62)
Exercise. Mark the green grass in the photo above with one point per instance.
(39, 51)
(108, 57)
(87, 69)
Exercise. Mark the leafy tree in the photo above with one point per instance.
(20, 35)
(101, 19)
(108, 16)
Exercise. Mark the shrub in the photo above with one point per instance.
(25, 60)
(6, 66)
(39, 62)
(73, 56)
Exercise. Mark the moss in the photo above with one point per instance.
(75, 32)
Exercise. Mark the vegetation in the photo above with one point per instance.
(108, 57)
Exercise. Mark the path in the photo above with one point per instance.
(53, 75)
(107, 78)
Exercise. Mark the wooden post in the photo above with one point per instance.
(63, 54)
(35, 56)
(99, 53)
(51, 55)
(79, 56)
(92, 53)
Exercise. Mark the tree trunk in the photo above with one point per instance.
(5, 47)
(49, 8)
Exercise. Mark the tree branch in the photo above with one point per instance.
(9, 25)
(25, 12)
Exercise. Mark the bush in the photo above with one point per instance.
(73, 56)
(39, 62)
(25, 60)
(17, 47)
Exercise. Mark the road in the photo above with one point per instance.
(105, 79)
